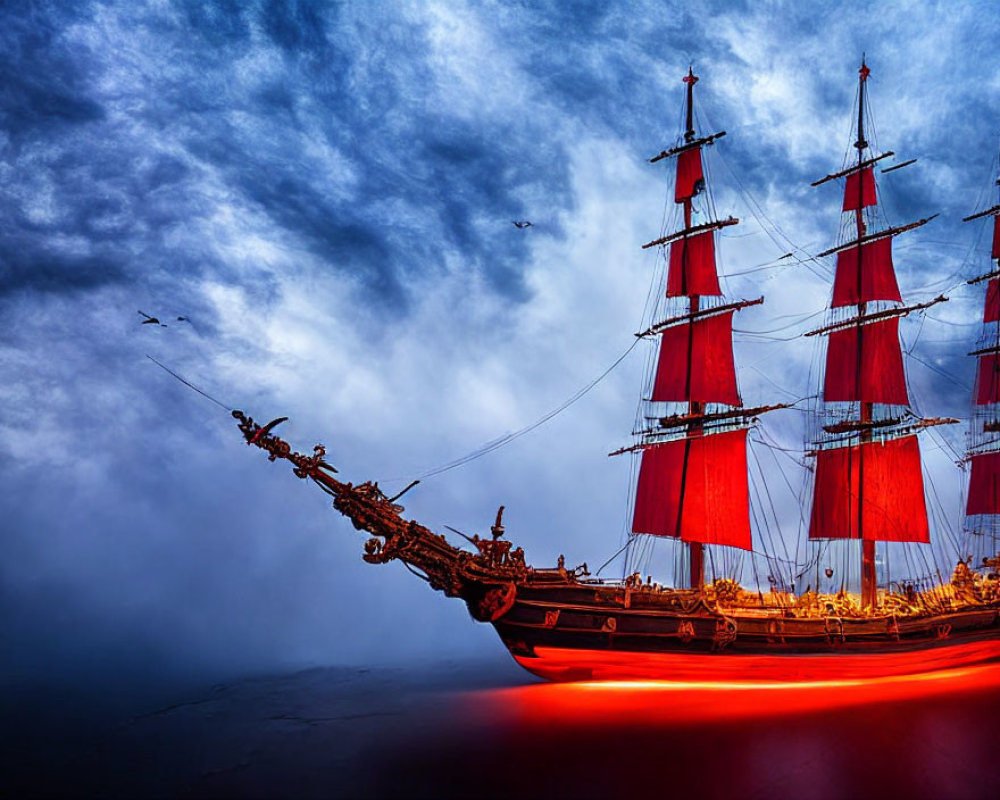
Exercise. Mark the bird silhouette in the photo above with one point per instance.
(150, 320)
(523, 223)
(183, 319)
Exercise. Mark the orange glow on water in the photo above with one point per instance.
(661, 704)
(931, 735)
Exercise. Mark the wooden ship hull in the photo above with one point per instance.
(608, 633)
(562, 626)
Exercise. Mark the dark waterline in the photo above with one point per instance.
(459, 730)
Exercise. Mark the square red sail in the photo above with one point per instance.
(873, 279)
(692, 266)
(864, 364)
(859, 190)
(696, 489)
(885, 478)
(689, 175)
(988, 380)
(696, 362)
(984, 484)
(991, 311)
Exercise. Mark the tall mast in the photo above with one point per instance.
(984, 450)
(868, 573)
(693, 482)
(696, 550)
(690, 80)
(867, 489)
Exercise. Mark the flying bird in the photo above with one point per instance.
(150, 320)
(184, 319)
(522, 223)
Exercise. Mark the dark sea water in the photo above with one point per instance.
(491, 730)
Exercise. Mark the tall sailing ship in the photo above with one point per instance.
(693, 488)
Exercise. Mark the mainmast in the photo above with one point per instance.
(984, 450)
(693, 481)
(867, 489)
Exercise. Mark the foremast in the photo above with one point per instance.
(983, 503)
(868, 480)
(693, 482)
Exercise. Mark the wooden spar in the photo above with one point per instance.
(993, 348)
(986, 277)
(673, 151)
(856, 168)
(682, 420)
(899, 166)
(987, 212)
(678, 420)
(915, 427)
(857, 425)
(688, 231)
(865, 318)
(698, 314)
(871, 237)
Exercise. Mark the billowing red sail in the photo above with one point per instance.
(877, 279)
(988, 380)
(692, 266)
(984, 485)
(886, 477)
(696, 489)
(991, 313)
(866, 368)
(689, 175)
(996, 237)
(860, 188)
(696, 362)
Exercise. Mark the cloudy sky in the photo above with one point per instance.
(326, 191)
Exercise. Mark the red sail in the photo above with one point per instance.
(696, 362)
(692, 266)
(696, 489)
(874, 357)
(894, 509)
(984, 485)
(689, 175)
(988, 380)
(865, 192)
(878, 279)
(991, 313)
(996, 237)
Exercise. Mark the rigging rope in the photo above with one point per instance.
(189, 384)
(506, 439)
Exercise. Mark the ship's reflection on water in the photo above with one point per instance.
(934, 735)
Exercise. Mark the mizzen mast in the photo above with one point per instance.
(867, 489)
(693, 482)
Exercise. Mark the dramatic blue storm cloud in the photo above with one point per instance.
(325, 193)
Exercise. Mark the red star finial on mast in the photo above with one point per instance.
(864, 72)
(690, 77)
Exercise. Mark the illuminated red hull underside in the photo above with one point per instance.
(589, 633)
(560, 664)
